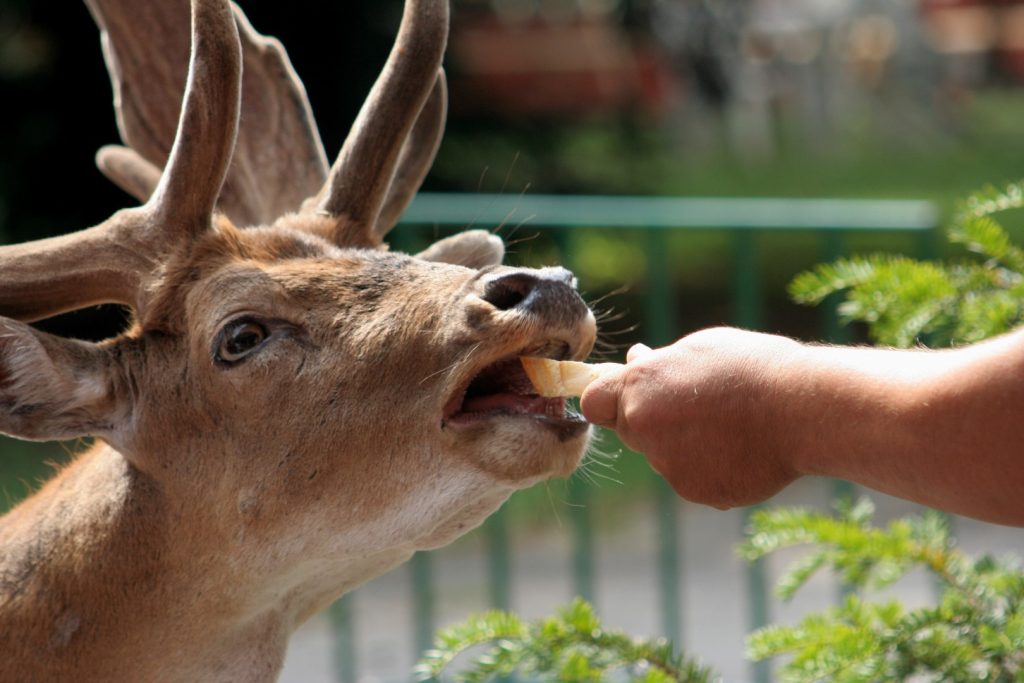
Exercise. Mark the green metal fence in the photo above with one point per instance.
(747, 222)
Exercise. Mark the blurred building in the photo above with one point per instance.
(748, 66)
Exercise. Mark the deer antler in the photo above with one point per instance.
(417, 156)
(362, 177)
(205, 138)
(109, 262)
(128, 170)
(279, 159)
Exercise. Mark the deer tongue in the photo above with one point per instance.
(514, 403)
(505, 389)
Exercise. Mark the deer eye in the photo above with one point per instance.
(238, 339)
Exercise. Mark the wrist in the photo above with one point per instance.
(790, 410)
(803, 386)
(859, 404)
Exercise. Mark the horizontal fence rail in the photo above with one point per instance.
(656, 218)
(563, 211)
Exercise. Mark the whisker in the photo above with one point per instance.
(480, 180)
(599, 475)
(504, 221)
(617, 333)
(551, 502)
(515, 227)
(610, 315)
(613, 318)
(479, 190)
(599, 461)
(527, 238)
(610, 348)
(584, 474)
(508, 174)
(624, 289)
(455, 367)
(512, 243)
(504, 184)
(522, 193)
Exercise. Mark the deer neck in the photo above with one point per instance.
(106, 575)
(101, 556)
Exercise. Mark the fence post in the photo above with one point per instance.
(927, 248)
(834, 331)
(498, 558)
(340, 615)
(662, 327)
(747, 314)
(578, 490)
(420, 568)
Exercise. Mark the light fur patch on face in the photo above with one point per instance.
(64, 629)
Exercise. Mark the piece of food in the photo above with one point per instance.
(553, 378)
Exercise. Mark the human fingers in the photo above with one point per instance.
(600, 401)
(637, 352)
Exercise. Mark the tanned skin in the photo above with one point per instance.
(731, 417)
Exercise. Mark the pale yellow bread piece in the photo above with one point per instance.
(553, 378)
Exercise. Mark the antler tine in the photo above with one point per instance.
(103, 264)
(127, 169)
(199, 159)
(418, 155)
(359, 181)
(110, 262)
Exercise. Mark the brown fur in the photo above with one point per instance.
(233, 503)
(224, 503)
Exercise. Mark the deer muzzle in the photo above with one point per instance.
(545, 317)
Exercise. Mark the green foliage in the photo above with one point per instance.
(571, 646)
(975, 633)
(905, 301)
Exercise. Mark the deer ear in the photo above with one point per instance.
(473, 249)
(54, 388)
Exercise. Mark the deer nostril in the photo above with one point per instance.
(507, 291)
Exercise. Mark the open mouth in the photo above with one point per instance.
(502, 389)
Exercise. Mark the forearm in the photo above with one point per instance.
(943, 428)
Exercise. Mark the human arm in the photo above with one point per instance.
(731, 417)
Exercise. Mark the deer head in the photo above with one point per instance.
(294, 409)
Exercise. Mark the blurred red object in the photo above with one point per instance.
(544, 69)
(979, 26)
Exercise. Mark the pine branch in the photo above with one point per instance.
(571, 646)
(906, 302)
(976, 632)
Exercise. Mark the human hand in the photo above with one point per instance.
(717, 413)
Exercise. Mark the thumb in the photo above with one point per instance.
(637, 351)
(600, 401)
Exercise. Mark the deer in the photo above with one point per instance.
(293, 408)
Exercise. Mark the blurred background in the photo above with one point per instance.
(850, 101)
